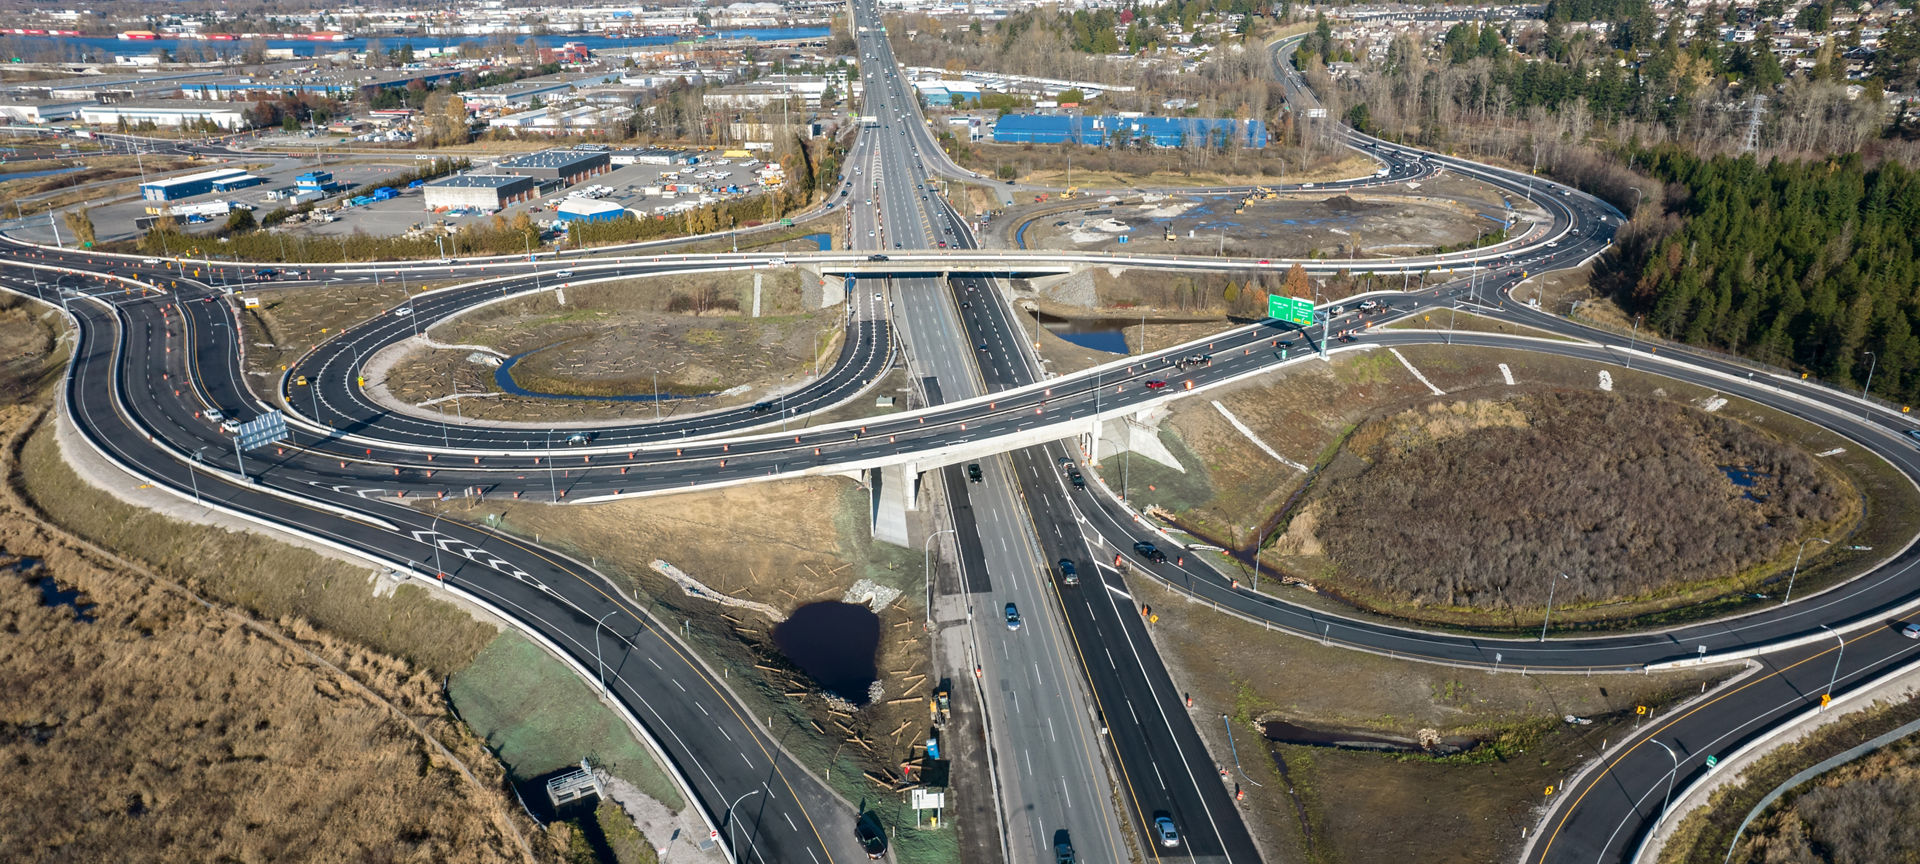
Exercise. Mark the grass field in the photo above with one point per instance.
(1325, 805)
(1467, 322)
(538, 716)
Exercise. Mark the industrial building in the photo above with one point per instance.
(568, 166)
(226, 115)
(483, 191)
(588, 210)
(38, 111)
(1109, 130)
(186, 187)
(228, 184)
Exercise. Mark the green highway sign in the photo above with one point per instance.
(1290, 309)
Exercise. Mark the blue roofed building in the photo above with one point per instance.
(1104, 130)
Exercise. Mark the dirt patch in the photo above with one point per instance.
(1321, 804)
(289, 321)
(1289, 226)
(1427, 513)
(695, 332)
(784, 544)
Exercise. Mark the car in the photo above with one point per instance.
(1066, 463)
(1063, 853)
(1155, 385)
(1914, 434)
(1339, 310)
(760, 407)
(1367, 305)
(876, 257)
(982, 346)
(1013, 617)
(1069, 575)
(1078, 479)
(876, 295)
(1150, 552)
(973, 472)
(1911, 631)
(1163, 829)
(579, 438)
(231, 427)
(150, 261)
(943, 244)
(564, 274)
(403, 312)
(213, 414)
(300, 380)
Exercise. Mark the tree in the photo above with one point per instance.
(1072, 96)
(240, 221)
(80, 222)
(1298, 283)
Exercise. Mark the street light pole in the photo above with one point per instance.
(1796, 566)
(553, 483)
(1835, 677)
(926, 567)
(1670, 775)
(727, 817)
(1549, 616)
(1633, 338)
(597, 661)
(434, 529)
(1867, 389)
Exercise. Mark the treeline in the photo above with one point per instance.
(1812, 265)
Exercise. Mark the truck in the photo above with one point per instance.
(83, 133)
(869, 120)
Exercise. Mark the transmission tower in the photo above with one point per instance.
(1753, 122)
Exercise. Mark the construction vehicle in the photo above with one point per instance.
(1169, 232)
(1262, 193)
(1071, 191)
(1040, 198)
(941, 708)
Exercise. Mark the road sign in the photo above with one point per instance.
(1291, 309)
(261, 431)
(1712, 761)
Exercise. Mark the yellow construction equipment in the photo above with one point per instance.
(1262, 193)
(1071, 191)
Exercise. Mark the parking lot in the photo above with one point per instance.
(116, 221)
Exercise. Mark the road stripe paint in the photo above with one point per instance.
(1119, 592)
(1506, 374)
(1416, 373)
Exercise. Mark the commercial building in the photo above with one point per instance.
(1109, 130)
(567, 166)
(186, 187)
(483, 191)
(38, 111)
(588, 210)
(228, 184)
(175, 113)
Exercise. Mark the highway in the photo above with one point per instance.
(148, 365)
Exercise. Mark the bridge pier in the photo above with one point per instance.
(894, 490)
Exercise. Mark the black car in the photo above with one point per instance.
(876, 257)
(1068, 574)
(1078, 480)
(760, 407)
(973, 472)
(1150, 552)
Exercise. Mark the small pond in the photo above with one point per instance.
(51, 594)
(1099, 334)
(834, 643)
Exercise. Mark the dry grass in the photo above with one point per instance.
(1305, 412)
(1625, 495)
(610, 339)
(1319, 804)
(1467, 322)
(785, 544)
(291, 320)
(171, 728)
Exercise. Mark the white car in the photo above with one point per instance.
(403, 312)
(564, 274)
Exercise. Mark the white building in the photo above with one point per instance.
(169, 114)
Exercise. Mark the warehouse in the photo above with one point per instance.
(483, 191)
(1114, 130)
(589, 210)
(569, 166)
(188, 186)
(167, 114)
(228, 184)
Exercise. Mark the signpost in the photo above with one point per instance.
(1290, 309)
(258, 432)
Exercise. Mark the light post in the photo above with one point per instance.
(553, 483)
(1551, 584)
(1633, 338)
(601, 664)
(193, 477)
(1867, 389)
(1835, 677)
(434, 529)
(1796, 566)
(656, 395)
(1670, 775)
(926, 567)
(727, 817)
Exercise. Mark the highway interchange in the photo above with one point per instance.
(150, 363)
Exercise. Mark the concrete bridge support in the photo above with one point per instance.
(894, 491)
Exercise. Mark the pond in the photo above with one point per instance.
(51, 594)
(1744, 478)
(834, 643)
(1099, 334)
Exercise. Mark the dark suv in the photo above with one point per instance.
(1068, 574)
(973, 472)
(1078, 480)
(1150, 552)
